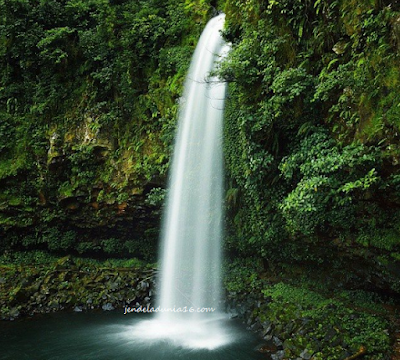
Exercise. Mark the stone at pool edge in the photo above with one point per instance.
(279, 355)
(108, 307)
(306, 355)
(14, 313)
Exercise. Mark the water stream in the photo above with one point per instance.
(190, 272)
(105, 336)
(191, 236)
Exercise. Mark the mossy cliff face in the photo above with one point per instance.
(312, 138)
(88, 105)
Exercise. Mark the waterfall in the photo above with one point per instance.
(192, 228)
(191, 235)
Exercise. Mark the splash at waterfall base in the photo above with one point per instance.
(208, 333)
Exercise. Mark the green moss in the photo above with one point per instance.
(326, 324)
(88, 116)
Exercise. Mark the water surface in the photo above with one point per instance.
(107, 336)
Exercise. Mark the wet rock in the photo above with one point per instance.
(74, 287)
(267, 326)
(278, 342)
(306, 354)
(256, 326)
(112, 286)
(108, 307)
(233, 315)
(144, 285)
(14, 313)
(279, 355)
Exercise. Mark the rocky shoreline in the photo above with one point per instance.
(297, 332)
(292, 325)
(26, 291)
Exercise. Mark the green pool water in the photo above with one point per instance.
(106, 336)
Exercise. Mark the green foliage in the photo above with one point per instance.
(27, 258)
(311, 132)
(84, 166)
(37, 257)
(56, 239)
(385, 239)
(87, 247)
(156, 197)
(330, 180)
(88, 94)
(7, 133)
(326, 321)
(66, 241)
(241, 275)
(111, 246)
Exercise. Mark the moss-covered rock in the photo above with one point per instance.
(68, 284)
(315, 324)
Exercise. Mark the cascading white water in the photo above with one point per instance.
(191, 237)
(192, 230)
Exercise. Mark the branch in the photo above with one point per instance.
(361, 351)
